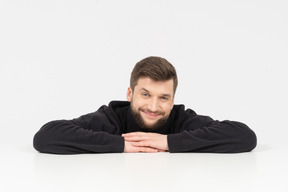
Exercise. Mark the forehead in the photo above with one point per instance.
(157, 87)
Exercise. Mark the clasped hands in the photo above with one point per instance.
(145, 142)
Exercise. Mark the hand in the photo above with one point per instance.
(149, 142)
(130, 148)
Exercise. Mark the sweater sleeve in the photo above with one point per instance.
(203, 134)
(91, 133)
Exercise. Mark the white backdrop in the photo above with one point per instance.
(60, 59)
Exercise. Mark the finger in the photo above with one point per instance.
(129, 134)
(160, 150)
(147, 150)
(137, 138)
(134, 134)
(142, 149)
(142, 144)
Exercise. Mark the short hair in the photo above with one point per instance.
(156, 68)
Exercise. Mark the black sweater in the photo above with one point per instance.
(100, 132)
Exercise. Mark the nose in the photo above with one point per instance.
(153, 105)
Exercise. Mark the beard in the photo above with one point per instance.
(141, 123)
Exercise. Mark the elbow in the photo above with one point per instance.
(243, 139)
(249, 142)
(252, 141)
(247, 139)
(44, 138)
(39, 142)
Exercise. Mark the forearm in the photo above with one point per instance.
(223, 137)
(63, 137)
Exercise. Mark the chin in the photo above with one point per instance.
(149, 122)
(149, 125)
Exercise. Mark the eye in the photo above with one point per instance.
(145, 94)
(164, 98)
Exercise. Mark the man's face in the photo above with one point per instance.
(151, 101)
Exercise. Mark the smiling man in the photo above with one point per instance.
(148, 122)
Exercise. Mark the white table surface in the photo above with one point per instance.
(263, 169)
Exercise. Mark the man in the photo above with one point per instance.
(148, 122)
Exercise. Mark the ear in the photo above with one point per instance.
(129, 94)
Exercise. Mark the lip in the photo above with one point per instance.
(151, 115)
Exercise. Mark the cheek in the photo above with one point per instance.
(138, 102)
(167, 108)
(135, 104)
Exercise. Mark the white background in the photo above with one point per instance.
(60, 59)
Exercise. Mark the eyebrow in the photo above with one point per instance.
(165, 95)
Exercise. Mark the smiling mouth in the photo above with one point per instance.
(151, 115)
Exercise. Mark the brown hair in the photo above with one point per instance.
(156, 68)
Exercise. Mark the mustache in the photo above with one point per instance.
(149, 111)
